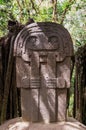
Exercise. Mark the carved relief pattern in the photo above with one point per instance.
(43, 36)
(40, 51)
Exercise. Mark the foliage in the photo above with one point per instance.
(70, 110)
(75, 21)
(70, 13)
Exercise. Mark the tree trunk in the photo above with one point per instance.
(7, 83)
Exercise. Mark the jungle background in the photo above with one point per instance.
(72, 15)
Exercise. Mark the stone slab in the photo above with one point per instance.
(62, 104)
(19, 124)
(28, 111)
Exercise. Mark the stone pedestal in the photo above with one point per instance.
(19, 124)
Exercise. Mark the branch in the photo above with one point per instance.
(20, 9)
(33, 6)
(40, 2)
(54, 16)
(66, 10)
(19, 4)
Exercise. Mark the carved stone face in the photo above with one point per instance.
(43, 36)
(43, 71)
(41, 42)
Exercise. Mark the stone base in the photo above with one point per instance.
(19, 124)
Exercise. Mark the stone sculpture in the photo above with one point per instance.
(43, 54)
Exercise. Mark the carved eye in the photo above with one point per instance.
(53, 39)
(32, 39)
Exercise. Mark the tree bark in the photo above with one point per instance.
(7, 83)
(66, 10)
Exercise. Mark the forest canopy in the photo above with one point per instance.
(70, 13)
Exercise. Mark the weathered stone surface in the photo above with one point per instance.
(30, 104)
(43, 36)
(19, 124)
(43, 61)
(63, 71)
(62, 104)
